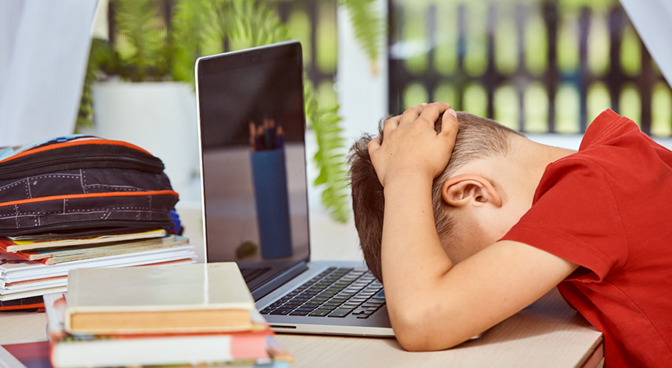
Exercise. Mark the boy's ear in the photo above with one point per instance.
(463, 189)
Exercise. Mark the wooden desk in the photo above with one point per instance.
(546, 334)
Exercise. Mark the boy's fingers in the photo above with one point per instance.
(391, 124)
(411, 114)
(373, 144)
(432, 112)
(443, 106)
(449, 124)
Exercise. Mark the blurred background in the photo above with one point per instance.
(543, 67)
(534, 66)
(538, 66)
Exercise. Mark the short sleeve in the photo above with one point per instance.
(575, 217)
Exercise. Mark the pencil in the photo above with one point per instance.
(259, 139)
(280, 136)
(253, 144)
(267, 135)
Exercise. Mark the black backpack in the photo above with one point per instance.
(81, 184)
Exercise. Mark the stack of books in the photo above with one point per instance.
(31, 266)
(193, 315)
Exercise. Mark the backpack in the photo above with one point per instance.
(80, 185)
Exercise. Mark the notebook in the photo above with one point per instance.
(255, 196)
(198, 298)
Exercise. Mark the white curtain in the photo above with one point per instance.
(44, 47)
(653, 21)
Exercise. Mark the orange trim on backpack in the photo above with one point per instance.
(89, 195)
(99, 141)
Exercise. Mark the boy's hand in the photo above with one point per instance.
(412, 146)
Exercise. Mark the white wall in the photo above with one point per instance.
(361, 94)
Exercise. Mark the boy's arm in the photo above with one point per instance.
(432, 304)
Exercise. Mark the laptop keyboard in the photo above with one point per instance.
(336, 293)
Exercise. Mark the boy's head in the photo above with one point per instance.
(478, 138)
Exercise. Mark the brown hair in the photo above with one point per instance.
(477, 138)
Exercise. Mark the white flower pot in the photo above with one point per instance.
(157, 116)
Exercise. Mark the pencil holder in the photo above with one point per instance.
(270, 192)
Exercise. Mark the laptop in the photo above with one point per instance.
(255, 196)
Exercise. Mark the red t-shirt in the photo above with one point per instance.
(608, 208)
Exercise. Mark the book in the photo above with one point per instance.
(24, 243)
(31, 293)
(14, 268)
(57, 284)
(30, 284)
(26, 354)
(32, 302)
(36, 354)
(59, 255)
(21, 278)
(210, 297)
(254, 347)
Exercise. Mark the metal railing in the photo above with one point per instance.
(536, 66)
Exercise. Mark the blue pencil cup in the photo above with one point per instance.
(270, 191)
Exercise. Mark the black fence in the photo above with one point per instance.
(627, 81)
(557, 68)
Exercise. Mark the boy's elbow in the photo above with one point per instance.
(418, 330)
(412, 340)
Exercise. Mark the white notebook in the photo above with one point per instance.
(182, 298)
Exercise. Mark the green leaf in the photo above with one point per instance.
(330, 164)
(140, 25)
(189, 23)
(154, 53)
(100, 55)
(321, 179)
(368, 25)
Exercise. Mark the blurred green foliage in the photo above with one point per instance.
(147, 49)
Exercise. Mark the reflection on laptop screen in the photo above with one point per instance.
(253, 155)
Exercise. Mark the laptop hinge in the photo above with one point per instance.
(279, 280)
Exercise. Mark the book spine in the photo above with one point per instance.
(245, 347)
(32, 302)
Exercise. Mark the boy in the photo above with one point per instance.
(464, 241)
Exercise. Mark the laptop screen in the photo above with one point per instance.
(253, 155)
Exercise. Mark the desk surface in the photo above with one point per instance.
(546, 334)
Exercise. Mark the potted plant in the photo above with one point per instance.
(164, 60)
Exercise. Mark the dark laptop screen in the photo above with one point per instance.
(252, 137)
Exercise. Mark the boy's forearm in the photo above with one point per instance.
(412, 257)
(434, 305)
